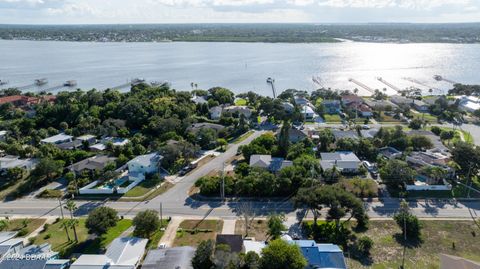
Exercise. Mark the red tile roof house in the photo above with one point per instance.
(348, 100)
(22, 100)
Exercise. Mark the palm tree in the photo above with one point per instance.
(71, 207)
(191, 84)
(355, 90)
(65, 224)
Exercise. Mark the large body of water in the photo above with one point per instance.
(239, 66)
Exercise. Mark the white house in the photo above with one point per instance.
(344, 161)
(145, 164)
(3, 136)
(308, 113)
(469, 103)
(57, 139)
(123, 253)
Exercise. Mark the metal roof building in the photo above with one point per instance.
(176, 258)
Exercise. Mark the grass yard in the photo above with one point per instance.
(242, 137)
(102, 242)
(155, 238)
(55, 235)
(437, 236)
(240, 102)
(29, 225)
(142, 189)
(386, 118)
(426, 116)
(332, 118)
(257, 229)
(192, 232)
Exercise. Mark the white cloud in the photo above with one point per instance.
(140, 11)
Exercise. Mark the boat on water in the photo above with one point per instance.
(438, 78)
(3, 82)
(41, 81)
(70, 83)
(137, 81)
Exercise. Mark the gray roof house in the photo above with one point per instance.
(345, 134)
(8, 162)
(295, 135)
(269, 163)
(332, 106)
(123, 253)
(437, 142)
(380, 104)
(389, 153)
(345, 161)
(57, 139)
(95, 163)
(194, 128)
(175, 258)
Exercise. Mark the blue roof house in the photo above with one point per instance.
(321, 255)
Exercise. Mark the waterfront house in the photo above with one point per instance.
(22, 101)
(199, 100)
(301, 101)
(240, 110)
(95, 163)
(332, 106)
(420, 106)
(400, 100)
(380, 105)
(469, 103)
(344, 161)
(164, 258)
(351, 100)
(122, 253)
(57, 139)
(269, 163)
(321, 255)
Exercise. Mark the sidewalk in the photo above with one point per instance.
(171, 232)
(229, 226)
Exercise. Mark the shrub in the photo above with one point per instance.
(365, 244)
(47, 236)
(436, 130)
(31, 240)
(22, 232)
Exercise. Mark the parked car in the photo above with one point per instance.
(372, 169)
(185, 170)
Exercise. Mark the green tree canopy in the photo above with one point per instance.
(146, 223)
(281, 255)
(101, 219)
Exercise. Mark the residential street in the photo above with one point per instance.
(176, 201)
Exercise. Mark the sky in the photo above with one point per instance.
(236, 11)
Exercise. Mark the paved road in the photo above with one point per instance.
(176, 202)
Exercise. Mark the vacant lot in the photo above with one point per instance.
(332, 118)
(28, 225)
(257, 229)
(449, 237)
(192, 232)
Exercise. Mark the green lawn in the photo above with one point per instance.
(240, 102)
(332, 118)
(55, 235)
(155, 238)
(426, 116)
(192, 232)
(143, 188)
(437, 237)
(386, 118)
(102, 242)
(242, 137)
(29, 225)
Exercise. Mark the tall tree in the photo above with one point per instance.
(71, 207)
(203, 255)
(146, 223)
(275, 226)
(284, 139)
(279, 254)
(101, 219)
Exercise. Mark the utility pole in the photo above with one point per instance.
(222, 189)
(61, 208)
(161, 215)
